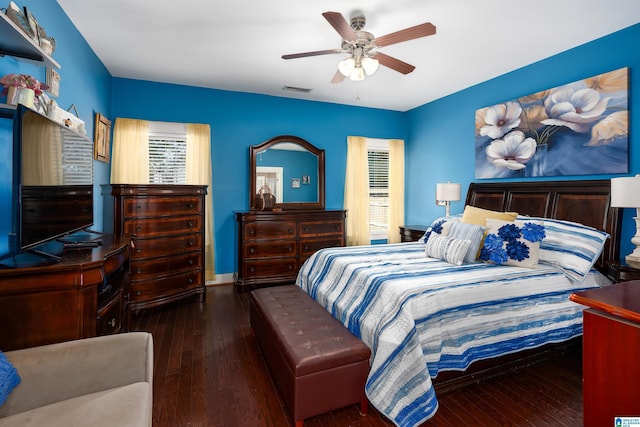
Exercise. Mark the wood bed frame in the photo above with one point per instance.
(586, 202)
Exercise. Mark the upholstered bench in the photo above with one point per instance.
(316, 363)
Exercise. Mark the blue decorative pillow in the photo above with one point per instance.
(513, 243)
(440, 226)
(9, 378)
(472, 232)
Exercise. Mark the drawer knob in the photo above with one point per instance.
(190, 261)
(306, 248)
(190, 205)
(290, 267)
(112, 323)
(306, 229)
(290, 249)
(190, 223)
(189, 280)
(190, 242)
(138, 270)
(251, 269)
(252, 232)
(138, 292)
(138, 207)
(290, 231)
(138, 228)
(252, 250)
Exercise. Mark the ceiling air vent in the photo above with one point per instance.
(296, 89)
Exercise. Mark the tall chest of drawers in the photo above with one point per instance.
(272, 246)
(166, 224)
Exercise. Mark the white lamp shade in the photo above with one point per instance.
(346, 66)
(447, 192)
(625, 192)
(370, 65)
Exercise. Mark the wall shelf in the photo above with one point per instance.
(14, 42)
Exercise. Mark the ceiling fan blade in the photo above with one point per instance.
(338, 77)
(422, 30)
(340, 24)
(314, 53)
(393, 63)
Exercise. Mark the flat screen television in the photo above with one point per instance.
(52, 181)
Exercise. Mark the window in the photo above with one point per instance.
(378, 158)
(167, 153)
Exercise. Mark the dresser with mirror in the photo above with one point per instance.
(276, 237)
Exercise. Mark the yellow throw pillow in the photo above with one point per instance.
(473, 215)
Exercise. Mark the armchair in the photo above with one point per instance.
(101, 381)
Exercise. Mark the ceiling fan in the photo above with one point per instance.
(362, 45)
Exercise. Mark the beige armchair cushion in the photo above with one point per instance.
(101, 369)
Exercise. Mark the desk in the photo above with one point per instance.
(611, 352)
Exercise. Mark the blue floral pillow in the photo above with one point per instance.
(513, 243)
(9, 378)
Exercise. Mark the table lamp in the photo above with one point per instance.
(625, 193)
(447, 193)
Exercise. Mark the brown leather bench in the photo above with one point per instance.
(316, 363)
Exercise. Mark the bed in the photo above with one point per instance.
(425, 318)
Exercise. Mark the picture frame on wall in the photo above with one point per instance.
(295, 182)
(102, 138)
(53, 81)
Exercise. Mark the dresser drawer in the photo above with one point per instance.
(143, 269)
(320, 228)
(161, 206)
(163, 226)
(164, 287)
(274, 248)
(269, 230)
(159, 246)
(110, 316)
(307, 247)
(270, 267)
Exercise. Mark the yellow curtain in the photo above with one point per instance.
(42, 163)
(199, 173)
(356, 192)
(396, 189)
(130, 150)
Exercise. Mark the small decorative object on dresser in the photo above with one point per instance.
(166, 223)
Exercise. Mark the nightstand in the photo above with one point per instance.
(412, 233)
(623, 271)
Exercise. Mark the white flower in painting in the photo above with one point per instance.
(511, 152)
(500, 119)
(607, 129)
(575, 110)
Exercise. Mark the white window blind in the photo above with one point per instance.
(167, 159)
(77, 159)
(378, 157)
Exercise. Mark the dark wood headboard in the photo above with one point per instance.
(586, 202)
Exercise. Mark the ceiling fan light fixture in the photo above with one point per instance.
(357, 74)
(347, 66)
(370, 65)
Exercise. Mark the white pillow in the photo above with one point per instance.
(572, 247)
(447, 248)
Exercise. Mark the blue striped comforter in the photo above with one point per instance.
(421, 316)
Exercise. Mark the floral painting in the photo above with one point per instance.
(581, 128)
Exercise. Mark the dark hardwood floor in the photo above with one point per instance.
(208, 372)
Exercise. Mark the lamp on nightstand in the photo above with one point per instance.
(447, 193)
(625, 193)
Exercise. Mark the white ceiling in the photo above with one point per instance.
(237, 45)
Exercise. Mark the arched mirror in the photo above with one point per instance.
(291, 169)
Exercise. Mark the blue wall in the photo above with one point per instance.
(239, 120)
(439, 136)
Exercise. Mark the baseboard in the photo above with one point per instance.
(221, 279)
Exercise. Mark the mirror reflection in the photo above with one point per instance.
(286, 172)
(289, 172)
